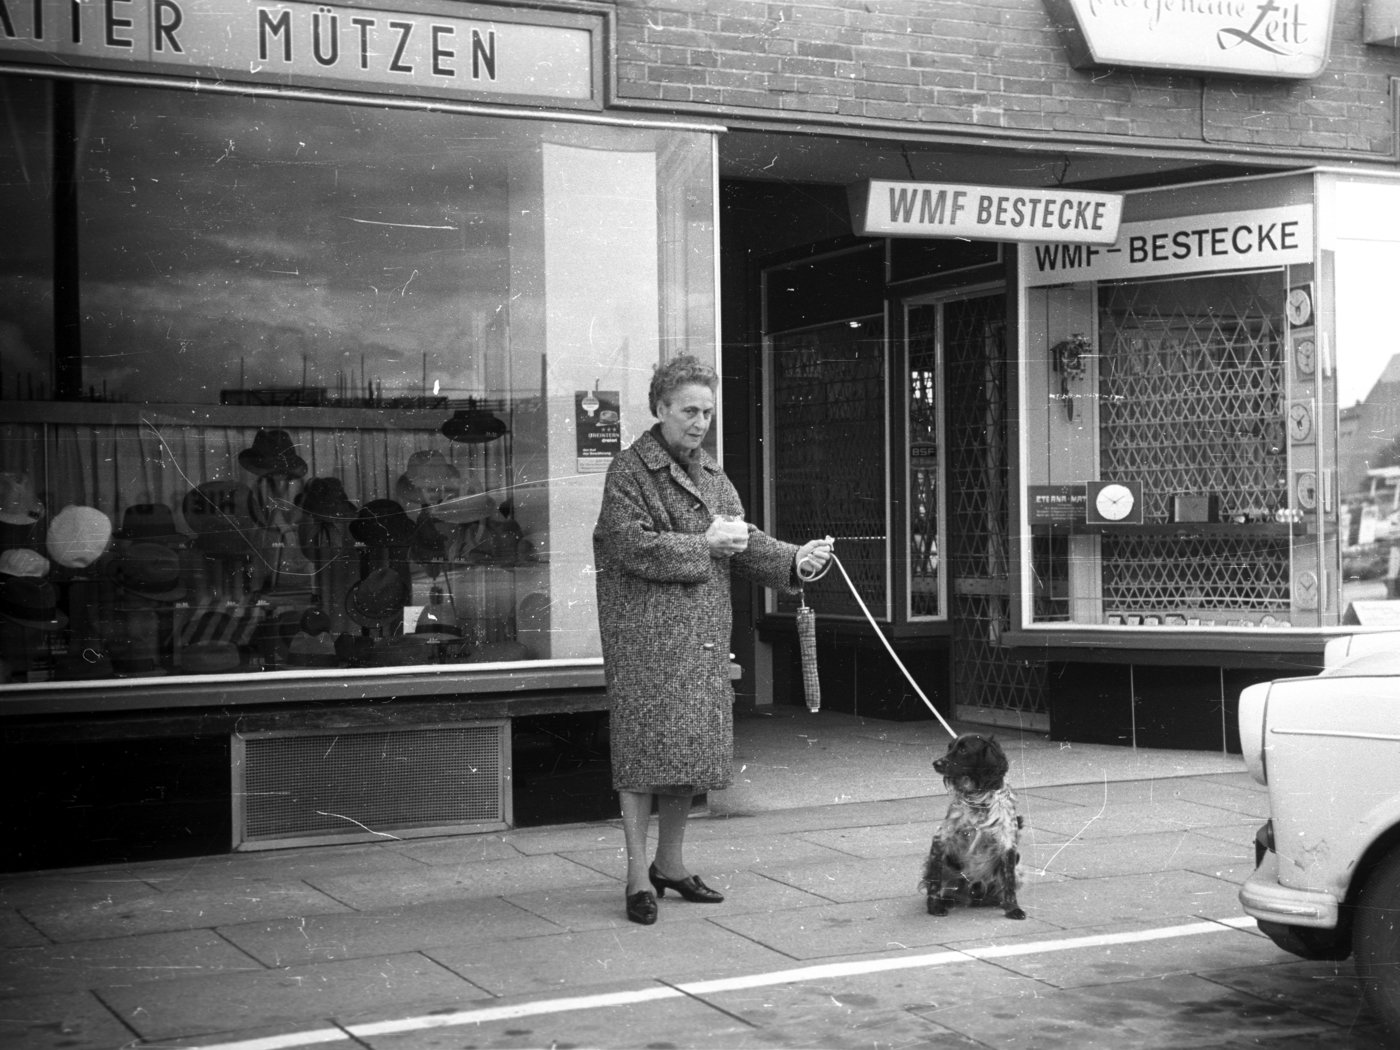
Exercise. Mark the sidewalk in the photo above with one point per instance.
(817, 847)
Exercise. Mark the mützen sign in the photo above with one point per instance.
(885, 208)
(1286, 39)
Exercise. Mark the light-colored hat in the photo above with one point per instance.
(23, 561)
(78, 536)
(17, 503)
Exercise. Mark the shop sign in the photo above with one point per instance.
(1287, 39)
(1189, 244)
(597, 428)
(472, 52)
(884, 208)
(1056, 504)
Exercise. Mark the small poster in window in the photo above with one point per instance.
(597, 422)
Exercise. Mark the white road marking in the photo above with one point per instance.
(821, 971)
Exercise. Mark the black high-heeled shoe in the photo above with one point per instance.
(691, 888)
(641, 907)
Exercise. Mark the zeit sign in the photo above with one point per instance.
(882, 208)
(248, 40)
(1191, 244)
(1288, 39)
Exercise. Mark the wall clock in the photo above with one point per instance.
(1299, 307)
(1305, 356)
(1306, 489)
(1113, 503)
(1305, 589)
(1300, 421)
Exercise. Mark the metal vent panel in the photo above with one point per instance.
(293, 788)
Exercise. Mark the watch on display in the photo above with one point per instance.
(1306, 490)
(1305, 355)
(1113, 503)
(1300, 421)
(1300, 305)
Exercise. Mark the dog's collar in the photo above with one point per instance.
(987, 799)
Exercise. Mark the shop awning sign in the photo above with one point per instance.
(1237, 240)
(885, 208)
(474, 51)
(1287, 39)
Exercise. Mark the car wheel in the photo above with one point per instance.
(1376, 941)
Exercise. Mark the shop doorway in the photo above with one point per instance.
(969, 334)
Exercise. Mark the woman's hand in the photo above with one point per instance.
(727, 537)
(813, 556)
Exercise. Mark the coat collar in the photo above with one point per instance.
(656, 455)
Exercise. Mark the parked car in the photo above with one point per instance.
(1326, 883)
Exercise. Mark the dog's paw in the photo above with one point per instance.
(1015, 913)
(937, 906)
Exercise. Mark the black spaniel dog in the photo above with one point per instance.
(976, 849)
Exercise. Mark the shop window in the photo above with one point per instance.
(924, 425)
(331, 385)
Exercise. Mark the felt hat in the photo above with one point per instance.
(399, 652)
(472, 505)
(473, 426)
(23, 561)
(220, 514)
(210, 657)
(428, 478)
(30, 602)
(272, 452)
(312, 650)
(437, 620)
(78, 536)
(377, 600)
(325, 500)
(17, 503)
(149, 570)
(150, 522)
(382, 523)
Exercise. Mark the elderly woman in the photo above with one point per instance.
(669, 534)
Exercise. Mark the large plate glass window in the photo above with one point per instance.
(320, 385)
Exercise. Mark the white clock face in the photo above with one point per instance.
(1307, 490)
(1114, 502)
(1299, 306)
(1299, 421)
(1305, 353)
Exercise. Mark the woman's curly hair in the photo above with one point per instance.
(670, 376)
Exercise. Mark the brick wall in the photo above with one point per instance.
(993, 67)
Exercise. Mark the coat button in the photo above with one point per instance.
(709, 647)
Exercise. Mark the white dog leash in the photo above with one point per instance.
(807, 575)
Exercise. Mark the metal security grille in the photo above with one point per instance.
(988, 684)
(1192, 402)
(351, 786)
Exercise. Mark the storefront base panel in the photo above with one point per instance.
(858, 677)
(1147, 705)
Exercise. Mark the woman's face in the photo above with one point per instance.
(686, 419)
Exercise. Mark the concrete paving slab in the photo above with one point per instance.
(1326, 990)
(296, 995)
(152, 911)
(76, 966)
(456, 849)
(664, 1024)
(565, 839)
(1151, 896)
(1135, 819)
(575, 962)
(1071, 966)
(358, 935)
(712, 858)
(228, 871)
(1118, 792)
(76, 1021)
(72, 887)
(871, 927)
(1135, 854)
(602, 907)
(380, 891)
(1171, 1011)
(885, 840)
(17, 932)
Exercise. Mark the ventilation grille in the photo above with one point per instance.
(323, 786)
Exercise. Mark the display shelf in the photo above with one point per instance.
(1257, 530)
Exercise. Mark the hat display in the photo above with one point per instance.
(428, 479)
(378, 599)
(23, 561)
(153, 522)
(473, 426)
(382, 523)
(220, 514)
(429, 546)
(30, 602)
(78, 536)
(149, 570)
(272, 452)
(437, 620)
(18, 505)
(471, 506)
(325, 500)
(312, 650)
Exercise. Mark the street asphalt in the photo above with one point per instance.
(1131, 866)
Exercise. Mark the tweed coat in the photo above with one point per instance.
(664, 616)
